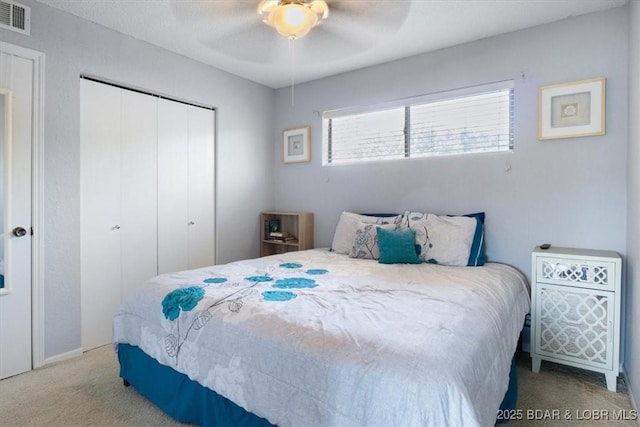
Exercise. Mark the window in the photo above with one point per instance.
(471, 120)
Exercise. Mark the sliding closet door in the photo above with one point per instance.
(139, 210)
(185, 186)
(147, 194)
(201, 185)
(173, 181)
(118, 181)
(100, 186)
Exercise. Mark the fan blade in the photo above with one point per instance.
(351, 28)
(191, 11)
(216, 17)
(233, 28)
(255, 43)
(327, 43)
(380, 16)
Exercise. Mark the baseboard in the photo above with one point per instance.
(64, 356)
(630, 390)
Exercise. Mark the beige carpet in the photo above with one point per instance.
(87, 391)
(569, 396)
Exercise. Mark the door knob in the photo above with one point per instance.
(19, 232)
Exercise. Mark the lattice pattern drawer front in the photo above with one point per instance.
(582, 273)
(575, 325)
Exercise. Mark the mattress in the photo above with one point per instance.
(318, 338)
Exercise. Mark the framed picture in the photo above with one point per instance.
(296, 144)
(573, 109)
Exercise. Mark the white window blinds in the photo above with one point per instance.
(470, 120)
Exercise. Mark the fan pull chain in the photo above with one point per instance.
(293, 67)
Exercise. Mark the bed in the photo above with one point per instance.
(322, 338)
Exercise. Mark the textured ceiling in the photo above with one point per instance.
(229, 34)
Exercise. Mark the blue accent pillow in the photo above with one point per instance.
(477, 255)
(397, 246)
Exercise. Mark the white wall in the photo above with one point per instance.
(632, 350)
(73, 47)
(569, 192)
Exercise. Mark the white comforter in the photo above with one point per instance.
(314, 338)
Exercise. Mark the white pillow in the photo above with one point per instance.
(347, 225)
(365, 241)
(443, 239)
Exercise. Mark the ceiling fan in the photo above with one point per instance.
(245, 29)
(293, 18)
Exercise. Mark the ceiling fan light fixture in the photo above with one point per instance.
(293, 18)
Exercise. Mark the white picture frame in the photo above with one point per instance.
(296, 145)
(571, 110)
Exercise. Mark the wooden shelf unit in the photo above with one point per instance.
(298, 224)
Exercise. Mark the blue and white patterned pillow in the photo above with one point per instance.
(365, 241)
(347, 225)
(448, 240)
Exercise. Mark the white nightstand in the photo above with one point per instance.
(575, 310)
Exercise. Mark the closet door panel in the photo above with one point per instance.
(173, 179)
(100, 173)
(201, 187)
(139, 189)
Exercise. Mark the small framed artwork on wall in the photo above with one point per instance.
(296, 144)
(573, 109)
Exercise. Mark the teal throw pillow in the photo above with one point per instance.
(397, 246)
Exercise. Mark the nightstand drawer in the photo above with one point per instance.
(575, 324)
(583, 273)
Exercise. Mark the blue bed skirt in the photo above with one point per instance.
(178, 396)
(189, 402)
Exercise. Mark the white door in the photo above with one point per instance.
(16, 107)
(201, 187)
(173, 180)
(118, 190)
(100, 201)
(139, 190)
(186, 174)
